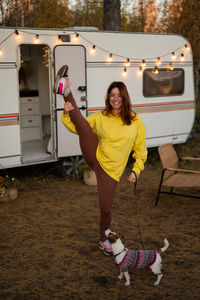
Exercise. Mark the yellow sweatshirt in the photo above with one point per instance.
(116, 141)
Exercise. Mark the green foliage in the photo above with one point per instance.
(8, 181)
(87, 13)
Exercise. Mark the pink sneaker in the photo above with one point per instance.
(61, 85)
(106, 247)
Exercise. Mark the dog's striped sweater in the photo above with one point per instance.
(137, 259)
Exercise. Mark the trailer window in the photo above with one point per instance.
(164, 83)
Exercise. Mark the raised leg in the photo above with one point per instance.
(87, 138)
(88, 143)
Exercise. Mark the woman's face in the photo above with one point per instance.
(115, 100)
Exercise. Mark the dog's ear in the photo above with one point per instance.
(121, 236)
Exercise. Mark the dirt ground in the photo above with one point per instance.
(49, 237)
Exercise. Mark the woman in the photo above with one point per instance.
(106, 140)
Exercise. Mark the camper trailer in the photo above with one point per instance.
(157, 69)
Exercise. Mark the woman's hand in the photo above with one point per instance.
(68, 107)
(132, 177)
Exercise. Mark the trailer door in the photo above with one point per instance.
(10, 150)
(74, 57)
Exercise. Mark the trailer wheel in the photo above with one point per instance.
(70, 164)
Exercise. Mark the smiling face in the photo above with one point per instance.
(115, 100)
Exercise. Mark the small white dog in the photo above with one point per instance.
(132, 259)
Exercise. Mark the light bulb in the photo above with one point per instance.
(186, 48)
(140, 70)
(155, 70)
(170, 67)
(109, 58)
(124, 74)
(37, 39)
(158, 61)
(143, 63)
(182, 57)
(17, 35)
(59, 40)
(76, 37)
(93, 49)
(173, 56)
(127, 62)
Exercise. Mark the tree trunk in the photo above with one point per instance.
(111, 15)
(22, 13)
(142, 15)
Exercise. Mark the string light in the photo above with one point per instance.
(127, 63)
(158, 61)
(182, 57)
(76, 37)
(143, 63)
(173, 56)
(93, 49)
(37, 39)
(170, 67)
(17, 35)
(59, 40)
(109, 58)
(140, 70)
(124, 74)
(155, 70)
(186, 48)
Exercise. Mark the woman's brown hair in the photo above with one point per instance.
(126, 113)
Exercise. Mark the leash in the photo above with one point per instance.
(137, 210)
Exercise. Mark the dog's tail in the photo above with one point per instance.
(163, 249)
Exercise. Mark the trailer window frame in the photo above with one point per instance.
(168, 89)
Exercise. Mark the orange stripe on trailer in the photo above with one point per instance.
(153, 107)
(8, 116)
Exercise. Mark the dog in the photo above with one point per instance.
(132, 259)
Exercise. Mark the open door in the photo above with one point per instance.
(74, 57)
(35, 104)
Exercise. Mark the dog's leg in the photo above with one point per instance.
(121, 275)
(156, 269)
(127, 276)
(158, 279)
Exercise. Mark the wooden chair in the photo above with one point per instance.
(174, 177)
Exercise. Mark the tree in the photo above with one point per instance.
(31, 13)
(147, 13)
(15, 12)
(182, 17)
(88, 13)
(172, 10)
(51, 14)
(189, 26)
(111, 15)
(151, 14)
(3, 12)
